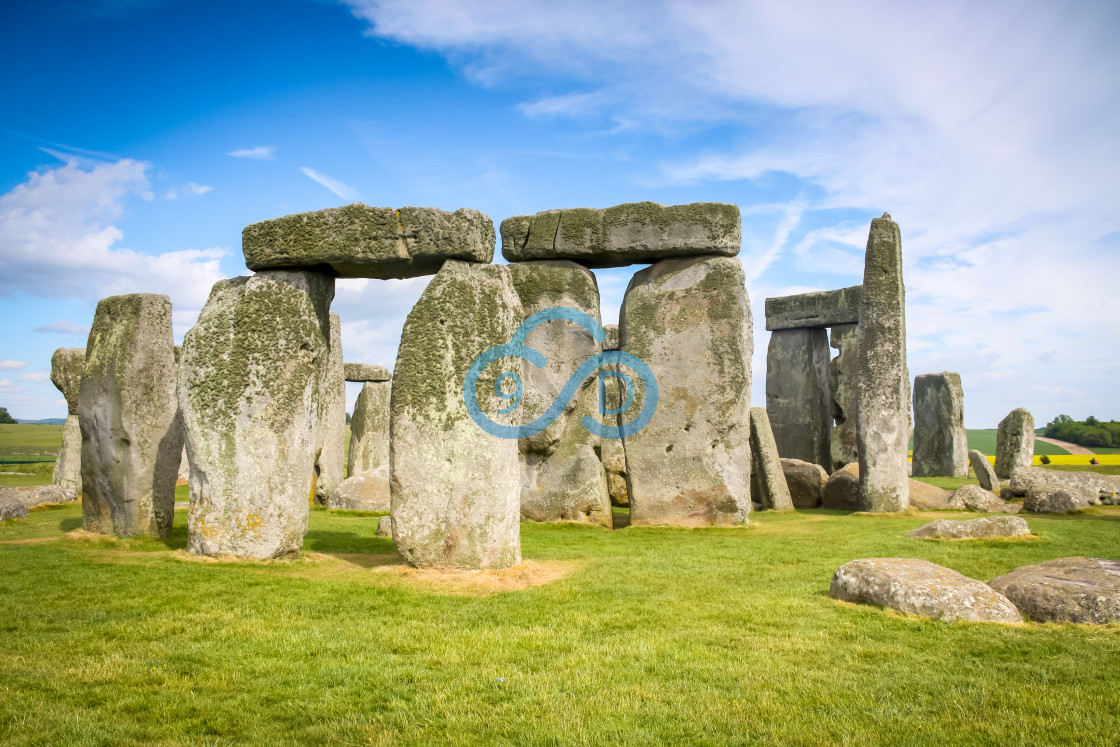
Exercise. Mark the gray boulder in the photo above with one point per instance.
(1045, 499)
(385, 526)
(253, 383)
(797, 398)
(369, 429)
(768, 480)
(359, 241)
(365, 491)
(843, 387)
(926, 497)
(989, 526)
(132, 437)
(689, 320)
(366, 372)
(841, 492)
(632, 233)
(68, 464)
(1077, 590)
(11, 508)
(456, 489)
(37, 495)
(921, 588)
(940, 446)
(562, 477)
(330, 467)
(1089, 487)
(984, 471)
(975, 498)
(1014, 443)
(805, 482)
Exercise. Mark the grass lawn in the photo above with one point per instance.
(984, 441)
(29, 442)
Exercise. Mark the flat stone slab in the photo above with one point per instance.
(359, 241)
(820, 309)
(37, 495)
(1078, 590)
(1046, 499)
(975, 498)
(989, 526)
(632, 233)
(366, 372)
(11, 508)
(921, 588)
(1090, 488)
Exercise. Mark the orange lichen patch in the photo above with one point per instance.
(528, 574)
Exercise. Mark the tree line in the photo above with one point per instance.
(1087, 432)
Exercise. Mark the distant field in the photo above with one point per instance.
(30, 442)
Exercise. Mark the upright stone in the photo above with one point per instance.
(689, 320)
(797, 394)
(1014, 442)
(985, 473)
(369, 429)
(611, 450)
(456, 489)
(884, 387)
(940, 445)
(843, 387)
(768, 480)
(330, 469)
(562, 478)
(253, 383)
(67, 365)
(131, 435)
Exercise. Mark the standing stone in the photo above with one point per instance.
(131, 434)
(330, 469)
(562, 478)
(456, 489)
(611, 450)
(843, 388)
(690, 321)
(768, 481)
(884, 388)
(367, 487)
(797, 394)
(67, 365)
(940, 446)
(984, 471)
(1014, 443)
(253, 384)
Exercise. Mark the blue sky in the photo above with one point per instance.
(138, 137)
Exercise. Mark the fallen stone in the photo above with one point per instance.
(690, 321)
(940, 446)
(385, 527)
(365, 491)
(820, 309)
(1051, 500)
(1014, 443)
(359, 241)
(805, 482)
(768, 479)
(921, 588)
(253, 383)
(456, 489)
(562, 477)
(843, 387)
(1090, 487)
(1077, 590)
(37, 495)
(11, 508)
(132, 437)
(841, 492)
(366, 372)
(797, 397)
(633, 233)
(926, 497)
(369, 429)
(330, 467)
(884, 396)
(989, 526)
(975, 498)
(984, 471)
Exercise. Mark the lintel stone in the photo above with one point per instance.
(819, 309)
(366, 372)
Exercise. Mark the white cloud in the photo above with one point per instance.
(12, 365)
(6, 385)
(35, 377)
(261, 152)
(171, 194)
(343, 191)
(198, 189)
(65, 327)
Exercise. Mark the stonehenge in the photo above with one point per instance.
(67, 365)
(367, 465)
(940, 446)
(797, 400)
(768, 480)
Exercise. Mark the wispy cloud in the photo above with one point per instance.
(12, 365)
(64, 327)
(261, 152)
(342, 190)
(34, 377)
(198, 189)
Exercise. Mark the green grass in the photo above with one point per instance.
(984, 441)
(656, 636)
(29, 442)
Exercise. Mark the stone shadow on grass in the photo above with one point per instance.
(326, 541)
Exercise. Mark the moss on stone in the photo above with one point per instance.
(515, 231)
(542, 233)
(582, 228)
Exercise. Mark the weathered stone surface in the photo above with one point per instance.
(1077, 590)
(562, 477)
(797, 398)
(633, 233)
(921, 588)
(975, 498)
(369, 429)
(1089, 488)
(67, 365)
(68, 464)
(37, 495)
(768, 480)
(989, 526)
(1046, 499)
(184, 466)
(884, 384)
(613, 340)
(366, 372)
(253, 382)
(365, 491)
(983, 469)
(805, 482)
(820, 309)
(359, 241)
(1014, 442)
(926, 497)
(132, 437)
(385, 526)
(843, 386)
(330, 467)
(11, 508)
(841, 492)
(690, 321)
(611, 450)
(940, 446)
(456, 489)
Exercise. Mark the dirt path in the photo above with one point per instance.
(1071, 448)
